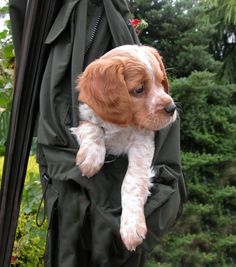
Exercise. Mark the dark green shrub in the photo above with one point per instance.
(209, 113)
(205, 235)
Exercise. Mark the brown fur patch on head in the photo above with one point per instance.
(102, 87)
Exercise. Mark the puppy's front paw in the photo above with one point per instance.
(133, 230)
(90, 159)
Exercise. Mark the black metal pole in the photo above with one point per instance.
(33, 55)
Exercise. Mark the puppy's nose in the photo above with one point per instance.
(170, 109)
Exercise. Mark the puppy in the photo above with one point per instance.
(125, 99)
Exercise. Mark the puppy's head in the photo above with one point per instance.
(129, 86)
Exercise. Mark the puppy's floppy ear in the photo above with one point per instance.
(102, 87)
(165, 81)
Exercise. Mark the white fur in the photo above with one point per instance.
(135, 51)
(96, 138)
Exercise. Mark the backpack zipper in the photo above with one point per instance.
(94, 31)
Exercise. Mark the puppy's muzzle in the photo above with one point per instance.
(170, 109)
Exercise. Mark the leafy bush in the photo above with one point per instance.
(6, 78)
(29, 243)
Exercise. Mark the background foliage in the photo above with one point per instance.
(197, 39)
(30, 240)
(6, 77)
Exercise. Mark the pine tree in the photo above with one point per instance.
(222, 14)
(177, 30)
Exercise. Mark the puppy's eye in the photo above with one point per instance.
(138, 91)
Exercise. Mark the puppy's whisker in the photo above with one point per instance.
(179, 107)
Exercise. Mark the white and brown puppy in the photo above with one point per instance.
(125, 99)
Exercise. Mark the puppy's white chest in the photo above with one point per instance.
(118, 140)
